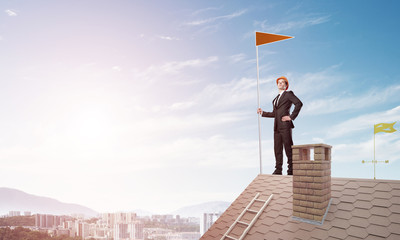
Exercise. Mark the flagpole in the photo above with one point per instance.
(264, 38)
(259, 115)
(374, 153)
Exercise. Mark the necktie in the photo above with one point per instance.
(276, 100)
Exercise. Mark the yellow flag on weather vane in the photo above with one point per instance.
(381, 127)
(384, 127)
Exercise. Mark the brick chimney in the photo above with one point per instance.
(311, 182)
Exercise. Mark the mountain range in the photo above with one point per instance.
(199, 209)
(16, 200)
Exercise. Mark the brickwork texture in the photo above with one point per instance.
(311, 181)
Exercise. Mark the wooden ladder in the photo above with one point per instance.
(249, 225)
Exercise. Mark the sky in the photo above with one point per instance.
(123, 105)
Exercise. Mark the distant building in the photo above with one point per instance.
(121, 231)
(49, 221)
(189, 235)
(27, 213)
(40, 221)
(128, 231)
(103, 232)
(82, 229)
(14, 213)
(59, 220)
(111, 219)
(206, 220)
(60, 232)
(70, 225)
(163, 218)
(193, 220)
(80, 216)
(107, 219)
(136, 231)
(157, 233)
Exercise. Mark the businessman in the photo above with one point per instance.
(283, 123)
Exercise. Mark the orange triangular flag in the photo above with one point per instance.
(263, 38)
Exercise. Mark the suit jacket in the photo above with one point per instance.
(285, 102)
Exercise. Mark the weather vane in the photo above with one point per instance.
(380, 127)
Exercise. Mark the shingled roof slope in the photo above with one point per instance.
(360, 209)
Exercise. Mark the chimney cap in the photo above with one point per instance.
(312, 145)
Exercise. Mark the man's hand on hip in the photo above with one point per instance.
(286, 118)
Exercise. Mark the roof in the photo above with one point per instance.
(360, 209)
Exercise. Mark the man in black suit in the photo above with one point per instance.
(283, 123)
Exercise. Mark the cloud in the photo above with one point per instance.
(328, 91)
(117, 68)
(265, 26)
(208, 25)
(168, 38)
(156, 73)
(182, 105)
(385, 148)
(175, 67)
(281, 27)
(167, 123)
(197, 12)
(212, 151)
(232, 95)
(365, 122)
(219, 151)
(216, 19)
(10, 13)
(307, 83)
(342, 102)
(237, 58)
(294, 8)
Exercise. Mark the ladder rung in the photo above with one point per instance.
(249, 225)
(253, 211)
(231, 237)
(244, 223)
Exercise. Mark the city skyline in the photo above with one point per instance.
(152, 105)
(122, 225)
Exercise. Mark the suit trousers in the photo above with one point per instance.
(283, 138)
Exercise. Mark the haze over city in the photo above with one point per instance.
(123, 105)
